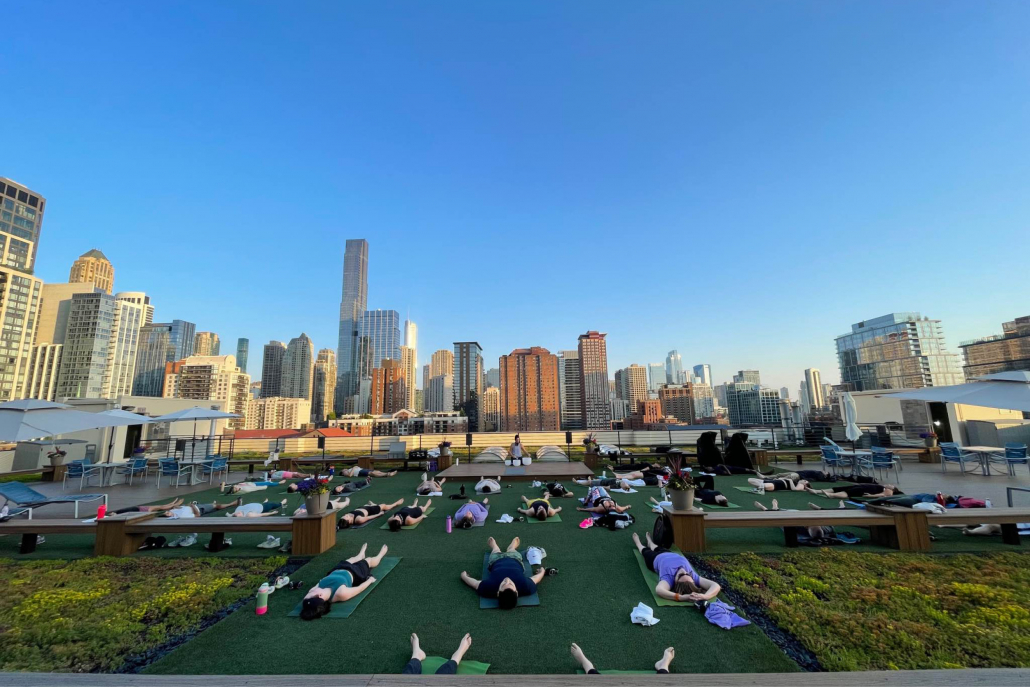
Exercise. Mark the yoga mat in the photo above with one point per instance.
(426, 512)
(651, 579)
(475, 524)
(515, 471)
(432, 663)
(728, 505)
(552, 518)
(531, 600)
(343, 609)
(751, 490)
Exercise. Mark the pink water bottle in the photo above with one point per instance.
(449, 522)
(262, 600)
(101, 511)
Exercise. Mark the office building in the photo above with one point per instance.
(353, 302)
(440, 394)
(619, 409)
(676, 400)
(529, 391)
(160, 343)
(895, 351)
(804, 399)
(655, 376)
(752, 404)
(211, 378)
(100, 347)
(593, 360)
(425, 377)
(278, 412)
(570, 392)
(1005, 353)
(631, 384)
(719, 392)
(491, 409)
(323, 385)
(784, 393)
(388, 391)
(272, 369)
(704, 403)
(93, 267)
(206, 344)
(814, 384)
(673, 370)
(379, 337)
(468, 380)
(43, 369)
(704, 373)
(298, 368)
(747, 377)
(493, 377)
(420, 401)
(21, 220)
(242, 353)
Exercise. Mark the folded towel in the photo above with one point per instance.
(642, 614)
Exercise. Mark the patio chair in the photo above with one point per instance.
(27, 497)
(1015, 454)
(881, 460)
(218, 464)
(169, 467)
(834, 460)
(84, 470)
(951, 452)
(135, 468)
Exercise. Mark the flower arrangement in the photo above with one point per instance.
(927, 435)
(312, 487)
(444, 444)
(678, 481)
(590, 442)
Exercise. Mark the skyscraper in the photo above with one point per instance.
(748, 377)
(100, 347)
(752, 404)
(493, 377)
(895, 351)
(673, 369)
(379, 336)
(529, 391)
(440, 394)
(323, 386)
(353, 302)
(631, 384)
(442, 363)
(159, 343)
(212, 378)
(21, 222)
(468, 380)
(491, 409)
(141, 299)
(677, 400)
(593, 359)
(814, 384)
(409, 358)
(388, 389)
(655, 376)
(570, 382)
(298, 366)
(242, 353)
(1005, 353)
(207, 344)
(704, 373)
(93, 267)
(784, 393)
(272, 369)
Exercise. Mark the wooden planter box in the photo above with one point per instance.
(592, 460)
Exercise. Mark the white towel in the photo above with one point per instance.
(505, 519)
(624, 491)
(432, 493)
(642, 614)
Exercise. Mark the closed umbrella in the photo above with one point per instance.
(851, 429)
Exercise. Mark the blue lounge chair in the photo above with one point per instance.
(1015, 454)
(951, 452)
(27, 497)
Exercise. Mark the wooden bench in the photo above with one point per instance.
(30, 529)
(1006, 517)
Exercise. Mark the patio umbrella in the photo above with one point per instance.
(195, 413)
(128, 418)
(33, 419)
(851, 429)
(1005, 390)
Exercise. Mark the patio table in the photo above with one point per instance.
(195, 465)
(983, 454)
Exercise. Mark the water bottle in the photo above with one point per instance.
(987, 503)
(262, 600)
(449, 523)
(102, 511)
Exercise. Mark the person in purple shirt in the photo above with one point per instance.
(470, 513)
(677, 580)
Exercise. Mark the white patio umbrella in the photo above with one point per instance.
(33, 419)
(851, 429)
(1005, 390)
(195, 413)
(128, 418)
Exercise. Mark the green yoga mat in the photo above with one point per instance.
(426, 512)
(475, 524)
(652, 581)
(433, 663)
(554, 518)
(531, 600)
(751, 490)
(343, 609)
(728, 505)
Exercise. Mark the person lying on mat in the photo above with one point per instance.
(365, 472)
(429, 486)
(778, 484)
(677, 580)
(334, 504)
(345, 488)
(705, 491)
(470, 513)
(810, 475)
(175, 509)
(506, 577)
(661, 666)
(370, 511)
(450, 667)
(288, 474)
(602, 504)
(851, 491)
(814, 531)
(409, 515)
(257, 510)
(248, 487)
(348, 579)
(540, 508)
(557, 490)
(487, 485)
(652, 471)
(618, 483)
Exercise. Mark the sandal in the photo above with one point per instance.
(281, 581)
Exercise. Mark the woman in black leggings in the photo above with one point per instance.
(370, 511)
(409, 515)
(450, 667)
(661, 667)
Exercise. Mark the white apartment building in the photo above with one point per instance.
(277, 412)
(212, 378)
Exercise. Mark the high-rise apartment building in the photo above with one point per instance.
(212, 378)
(631, 384)
(43, 368)
(784, 393)
(896, 351)
(21, 220)
(408, 363)
(425, 377)
(93, 267)
(492, 409)
(278, 412)
(272, 369)
(53, 312)
(813, 382)
(570, 392)
(673, 370)
(1005, 353)
(298, 367)
(655, 376)
(593, 360)
(100, 347)
(441, 363)
(677, 400)
(440, 394)
(747, 377)
(389, 391)
(242, 353)
(142, 300)
(493, 377)
(529, 391)
(704, 373)
(379, 336)
(323, 385)
(207, 344)
(353, 302)
(752, 404)
(468, 380)
(704, 403)
(160, 343)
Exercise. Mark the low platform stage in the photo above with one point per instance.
(471, 472)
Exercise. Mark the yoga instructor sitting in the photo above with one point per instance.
(347, 580)
(516, 452)
(506, 577)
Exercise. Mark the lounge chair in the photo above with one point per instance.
(27, 497)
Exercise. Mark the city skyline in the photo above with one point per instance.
(817, 171)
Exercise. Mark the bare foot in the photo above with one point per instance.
(666, 659)
(362, 554)
(493, 543)
(514, 545)
(459, 653)
(758, 504)
(841, 505)
(581, 658)
(486, 501)
(813, 506)
(283, 503)
(775, 504)
(636, 540)
(416, 650)
(239, 501)
(382, 551)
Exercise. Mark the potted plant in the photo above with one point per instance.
(681, 485)
(446, 458)
(590, 459)
(316, 495)
(929, 438)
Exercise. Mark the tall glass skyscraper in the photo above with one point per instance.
(352, 304)
(674, 368)
(896, 351)
(379, 336)
(242, 352)
(160, 343)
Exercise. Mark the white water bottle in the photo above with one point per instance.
(987, 503)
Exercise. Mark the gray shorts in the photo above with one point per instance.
(498, 555)
(205, 508)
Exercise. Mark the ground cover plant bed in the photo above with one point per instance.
(93, 614)
(870, 611)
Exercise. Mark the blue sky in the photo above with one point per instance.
(740, 181)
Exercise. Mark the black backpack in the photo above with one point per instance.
(661, 533)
